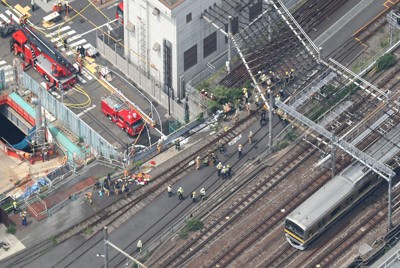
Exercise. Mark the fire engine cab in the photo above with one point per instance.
(47, 61)
(118, 112)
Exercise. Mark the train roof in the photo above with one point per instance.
(328, 196)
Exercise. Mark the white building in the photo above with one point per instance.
(170, 40)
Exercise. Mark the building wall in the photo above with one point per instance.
(170, 25)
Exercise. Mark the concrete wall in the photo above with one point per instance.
(169, 25)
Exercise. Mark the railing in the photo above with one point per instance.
(69, 119)
(34, 199)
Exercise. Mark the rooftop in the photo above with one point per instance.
(171, 4)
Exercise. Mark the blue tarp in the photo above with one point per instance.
(34, 188)
(26, 141)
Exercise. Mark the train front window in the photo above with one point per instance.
(294, 228)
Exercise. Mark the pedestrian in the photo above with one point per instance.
(251, 135)
(281, 93)
(219, 168)
(198, 163)
(202, 194)
(15, 207)
(107, 189)
(88, 196)
(24, 222)
(83, 52)
(263, 118)
(291, 74)
(33, 5)
(65, 42)
(66, 5)
(257, 100)
(193, 196)
(223, 172)
(213, 159)
(159, 145)
(180, 193)
(169, 189)
(177, 143)
(236, 117)
(245, 94)
(206, 161)
(126, 191)
(221, 146)
(228, 170)
(240, 147)
(116, 188)
(139, 246)
(59, 6)
(248, 108)
(287, 78)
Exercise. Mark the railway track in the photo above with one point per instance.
(115, 211)
(179, 257)
(118, 261)
(240, 206)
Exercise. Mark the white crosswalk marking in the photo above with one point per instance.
(59, 37)
(80, 42)
(4, 18)
(58, 31)
(2, 62)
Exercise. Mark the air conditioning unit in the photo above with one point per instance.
(156, 11)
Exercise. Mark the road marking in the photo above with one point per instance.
(24, 238)
(3, 62)
(3, 17)
(113, 5)
(232, 142)
(86, 110)
(58, 31)
(82, 41)
(63, 35)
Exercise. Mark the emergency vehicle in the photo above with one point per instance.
(125, 118)
(47, 61)
(120, 12)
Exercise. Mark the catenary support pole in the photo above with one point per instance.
(105, 247)
(228, 62)
(390, 204)
(270, 114)
(333, 159)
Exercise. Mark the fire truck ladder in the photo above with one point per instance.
(45, 47)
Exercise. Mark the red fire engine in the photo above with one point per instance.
(48, 61)
(119, 113)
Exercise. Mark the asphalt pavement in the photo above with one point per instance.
(151, 220)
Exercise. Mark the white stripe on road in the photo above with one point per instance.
(86, 110)
(3, 17)
(74, 37)
(113, 5)
(82, 41)
(87, 46)
(58, 31)
(62, 36)
(3, 62)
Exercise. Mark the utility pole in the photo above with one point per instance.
(105, 247)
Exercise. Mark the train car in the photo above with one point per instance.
(328, 204)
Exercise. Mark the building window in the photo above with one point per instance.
(210, 44)
(190, 57)
(189, 17)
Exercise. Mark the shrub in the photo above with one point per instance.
(386, 61)
(184, 233)
(194, 225)
(11, 229)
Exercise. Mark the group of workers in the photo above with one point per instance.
(193, 195)
(58, 7)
